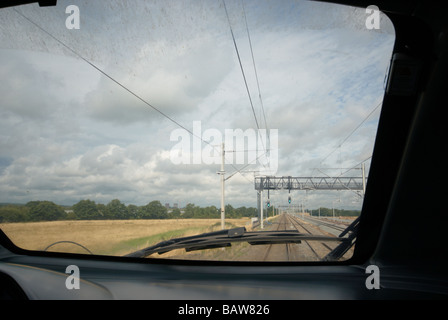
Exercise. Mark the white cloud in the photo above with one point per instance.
(70, 133)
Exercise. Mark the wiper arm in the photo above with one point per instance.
(341, 249)
(224, 238)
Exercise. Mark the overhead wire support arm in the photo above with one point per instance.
(309, 183)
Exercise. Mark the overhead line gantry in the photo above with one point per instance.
(307, 183)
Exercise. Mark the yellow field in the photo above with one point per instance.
(108, 237)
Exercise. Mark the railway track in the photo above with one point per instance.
(281, 252)
(305, 251)
(332, 227)
(297, 225)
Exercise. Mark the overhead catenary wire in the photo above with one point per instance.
(245, 166)
(241, 65)
(107, 75)
(354, 167)
(255, 68)
(352, 132)
(256, 78)
(121, 85)
(243, 73)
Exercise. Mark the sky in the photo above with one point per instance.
(104, 116)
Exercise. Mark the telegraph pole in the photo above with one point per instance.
(363, 179)
(261, 209)
(222, 172)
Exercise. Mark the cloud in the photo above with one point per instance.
(176, 85)
(69, 133)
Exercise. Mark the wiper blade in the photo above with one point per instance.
(351, 231)
(224, 238)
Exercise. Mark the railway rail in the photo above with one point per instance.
(281, 252)
(333, 227)
(305, 251)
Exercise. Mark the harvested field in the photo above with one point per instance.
(108, 237)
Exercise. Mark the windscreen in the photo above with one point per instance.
(128, 123)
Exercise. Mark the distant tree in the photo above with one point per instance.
(211, 212)
(45, 211)
(102, 211)
(31, 204)
(154, 210)
(175, 214)
(251, 212)
(230, 211)
(14, 213)
(71, 216)
(116, 210)
(189, 211)
(199, 213)
(86, 210)
(133, 211)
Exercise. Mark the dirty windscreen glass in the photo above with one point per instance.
(128, 123)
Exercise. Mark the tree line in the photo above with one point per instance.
(115, 210)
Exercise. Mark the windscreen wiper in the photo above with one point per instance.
(224, 238)
(351, 231)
